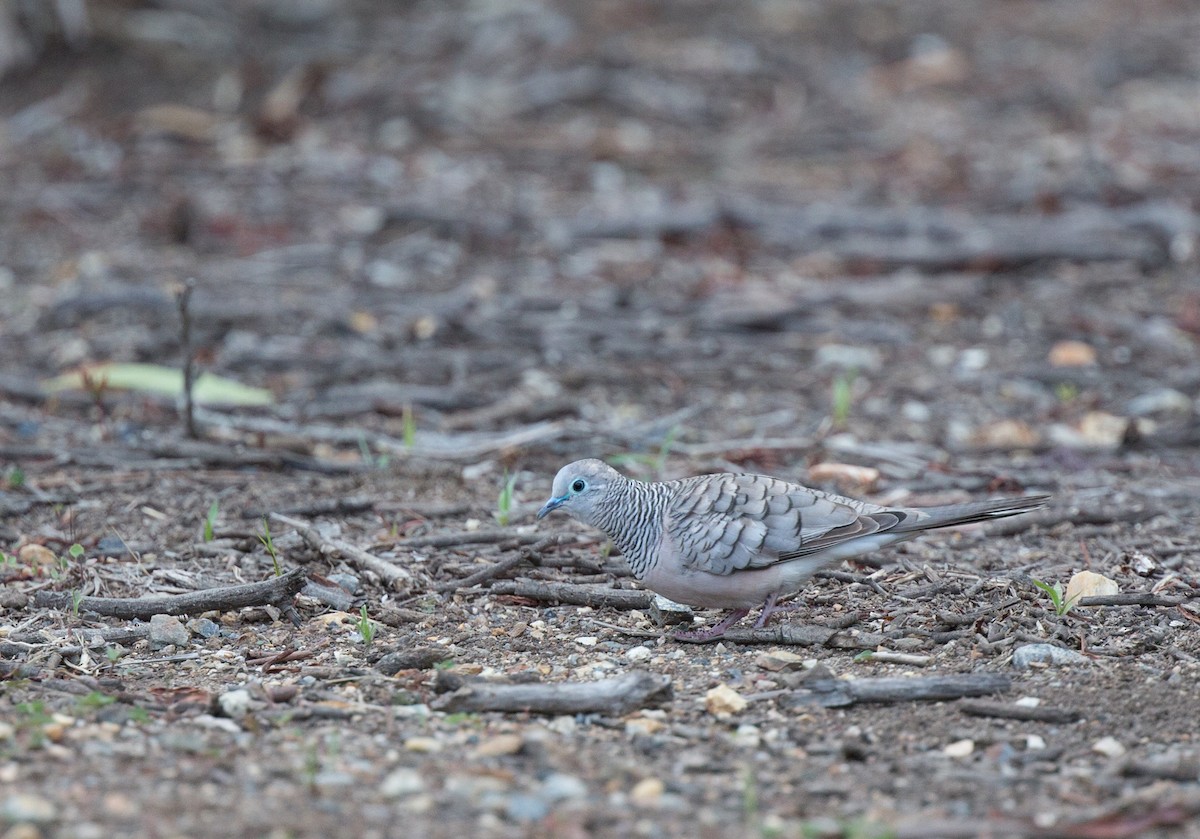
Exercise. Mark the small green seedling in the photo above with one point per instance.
(76, 551)
(76, 599)
(843, 397)
(94, 701)
(210, 520)
(16, 477)
(365, 626)
(504, 501)
(269, 544)
(410, 427)
(1055, 593)
(1066, 392)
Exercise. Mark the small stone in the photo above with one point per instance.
(36, 557)
(748, 736)
(647, 792)
(501, 744)
(525, 808)
(665, 612)
(1031, 654)
(27, 807)
(959, 748)
(638, 653)
(401, 782)
(644, 726)
(25, 830)
(780, 660)
(349, 582)
(587, 641)
(204, 627)
(1005, 434)
(418, 658)
(423, 745)
(847, 476)
(848, 357)
(917, 412)
(1088, 584)
(973, 359)
(1109, 747)
(723, 701)
(1162, 401)
(1141, 563)
(559, 786)
(1034, 742)
(1072, 354)
(235, 704)
(1028, 702)
(7, 731)
(167, 629)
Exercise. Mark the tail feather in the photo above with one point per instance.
(953, 514)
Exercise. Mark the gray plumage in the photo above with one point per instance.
(734, 541)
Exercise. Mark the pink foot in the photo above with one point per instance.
(713, 632)
(769, 609)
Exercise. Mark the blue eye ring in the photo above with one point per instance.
(578, 486)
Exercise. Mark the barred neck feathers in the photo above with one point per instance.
(632, 516)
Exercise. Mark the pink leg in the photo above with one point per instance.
(769, 609)
(713, 632)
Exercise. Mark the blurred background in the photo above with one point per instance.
(964, 224)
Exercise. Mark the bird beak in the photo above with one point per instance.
(551, 505)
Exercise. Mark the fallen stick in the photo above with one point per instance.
(800, 635)
(276, 590)
(1009, 711)
(597, 597)
(530, 554)
(468, 537)
(836, 693)
(1133, 598)
(393, 575)
(617, 696)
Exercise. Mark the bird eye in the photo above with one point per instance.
(579, 486)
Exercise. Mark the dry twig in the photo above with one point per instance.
(393, 575)
(620, 695)
(275, 591)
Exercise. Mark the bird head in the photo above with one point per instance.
(579, 487)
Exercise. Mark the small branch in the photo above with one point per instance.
(617, 696)
(274, 591)
(1009, 711)
(183, 299)
(833, 693)
(530, 554)
(801, 635)
(1132, 598)
(393, 575)
(597, 597)
(468, 537)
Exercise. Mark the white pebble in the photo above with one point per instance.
(638, 653)
(959, 748)
(1109, 747)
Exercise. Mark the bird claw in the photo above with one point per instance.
(713, 632)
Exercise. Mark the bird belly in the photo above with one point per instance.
(702, 590)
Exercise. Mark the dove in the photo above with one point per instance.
(735, 541)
